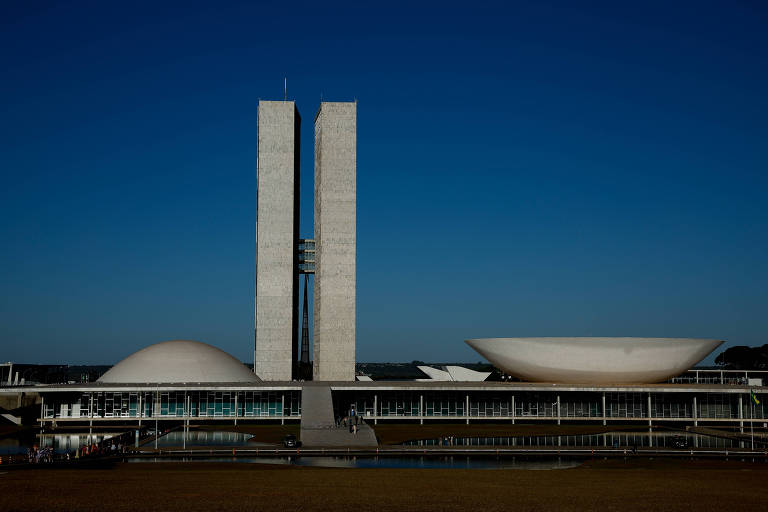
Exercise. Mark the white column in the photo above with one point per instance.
(649, 410)
(236, 393)
(141, 408)
(282, 408)
(603, 407)
(513, 409)
(155, 410)
(650, 429)
(558, 414)
(90, 419)
(695, 413)
(42, 412)
(375, 409)
(466, 411)
(751, 422)
(184, 424)
(741, 416)
(421, 409)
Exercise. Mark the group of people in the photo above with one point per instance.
(46, 455)
(104, 448)
(107, 447)
(37, 455)
(352, 421)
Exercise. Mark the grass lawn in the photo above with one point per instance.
(636, 484)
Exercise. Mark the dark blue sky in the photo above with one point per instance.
(531, 169)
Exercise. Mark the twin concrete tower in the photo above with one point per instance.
(281, 255)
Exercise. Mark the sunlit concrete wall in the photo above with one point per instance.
(335, 241)
(277, 233)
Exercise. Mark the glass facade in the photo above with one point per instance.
(415, 404)
(521, 405)
(444, 404)
(174, 404)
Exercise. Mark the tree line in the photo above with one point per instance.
(744, 358)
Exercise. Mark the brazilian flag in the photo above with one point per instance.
(754, 396)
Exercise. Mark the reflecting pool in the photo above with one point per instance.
(605, 440)
(203, 438)
(443, 462)
(61, 443)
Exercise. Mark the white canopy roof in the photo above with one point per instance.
(454, 373)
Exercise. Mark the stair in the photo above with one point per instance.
(318, 428)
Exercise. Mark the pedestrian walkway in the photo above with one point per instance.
(318, 428)
(316, 406)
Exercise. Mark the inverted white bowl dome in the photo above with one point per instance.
(594, 360)
(179, 361)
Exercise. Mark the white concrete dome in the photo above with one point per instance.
(179, 361)
(594, 360)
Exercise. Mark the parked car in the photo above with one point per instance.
(289, 441)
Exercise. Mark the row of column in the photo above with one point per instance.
(558, 416)
(156, 407)
(187, 407)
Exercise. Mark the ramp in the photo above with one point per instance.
(316, 407)
(318, 428)
(10, 417)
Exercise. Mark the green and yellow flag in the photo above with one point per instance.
(754, 396)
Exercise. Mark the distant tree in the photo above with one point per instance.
(744, 358)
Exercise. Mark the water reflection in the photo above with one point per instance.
(61, 443)
(204, 438)
(71, 441)
(606, 440)
(451, 462)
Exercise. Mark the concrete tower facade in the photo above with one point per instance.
(335, 241)
(277, 235)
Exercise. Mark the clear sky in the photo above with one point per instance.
(524, 169)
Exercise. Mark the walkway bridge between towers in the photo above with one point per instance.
(306, 256)
(318, 427)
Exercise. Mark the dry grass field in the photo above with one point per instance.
(637, 484)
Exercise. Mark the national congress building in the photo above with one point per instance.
(640, 381)
(281, 255)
